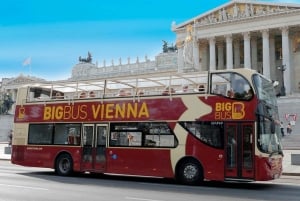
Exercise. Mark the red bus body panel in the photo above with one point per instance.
(146, 162)
(44, 156)
(139, 161)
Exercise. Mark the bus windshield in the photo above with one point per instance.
(268, 135)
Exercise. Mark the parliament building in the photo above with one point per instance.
(264, 36)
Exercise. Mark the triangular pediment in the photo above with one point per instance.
(237, 10)
(21, 79)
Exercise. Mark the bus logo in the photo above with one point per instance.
(21, 114)
(228, 110)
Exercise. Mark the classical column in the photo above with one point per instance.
(254, 53)
(180, 60)
(247, 54)
(220, 55)
(212, 53)
(286, 59)
(196, 54)
(229, 53)
(266, 53)
(236, 49)
(203, 56)
(273, 68)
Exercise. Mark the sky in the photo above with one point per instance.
(54, 33)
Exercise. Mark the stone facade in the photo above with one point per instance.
(248, 34)
(241, 33)
(163, 62)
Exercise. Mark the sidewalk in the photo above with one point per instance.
(3, 149)
(288, 168)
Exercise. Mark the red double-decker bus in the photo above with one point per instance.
(221, 126)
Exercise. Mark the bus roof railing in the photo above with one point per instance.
(137, 85)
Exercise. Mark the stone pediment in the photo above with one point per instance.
(237, 10)
(22, 80)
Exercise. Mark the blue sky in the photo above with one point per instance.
(54, 33)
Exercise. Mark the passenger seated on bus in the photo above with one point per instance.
(140, 92)
(92, 94)
(83, 95)
(239, 90)
(249, 94)
(185, 88)
(168, 90)
(73, 140)
(123, 92)
(58, 95)
(230, 93)
(201, 88)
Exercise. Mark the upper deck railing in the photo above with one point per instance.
(142, 85)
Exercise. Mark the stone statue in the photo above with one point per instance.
(86, 60)
(167, 48)
(235, 11)
(188, 46)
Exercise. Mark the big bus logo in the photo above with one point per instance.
(21, 114)
(235, 110)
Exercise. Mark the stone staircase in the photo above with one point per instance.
(6, 124)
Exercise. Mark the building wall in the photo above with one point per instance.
(247, 34)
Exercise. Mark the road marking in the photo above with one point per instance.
(24, 187)
(143, 199)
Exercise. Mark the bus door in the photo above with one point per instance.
(100, 147)
(94, 146)
(239, 151)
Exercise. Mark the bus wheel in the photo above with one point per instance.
(190, 172)
(64, 165)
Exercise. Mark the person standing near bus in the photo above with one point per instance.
(282, 128)
(10, 136)
(289, 129)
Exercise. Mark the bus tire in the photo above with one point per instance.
(64, 165)
(190, 172)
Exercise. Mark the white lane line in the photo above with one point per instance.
(24, 187)
(142, 199)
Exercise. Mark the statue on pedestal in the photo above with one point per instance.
(86, 60)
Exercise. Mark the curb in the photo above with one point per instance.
(290, 174)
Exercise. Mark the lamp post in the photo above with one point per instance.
(282, 68)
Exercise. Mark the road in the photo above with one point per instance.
(35, 184)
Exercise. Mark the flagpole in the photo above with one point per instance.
(27, 62)
(30, 69)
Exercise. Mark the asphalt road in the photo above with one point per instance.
(34, 184)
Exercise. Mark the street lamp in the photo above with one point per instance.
(282, 68)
